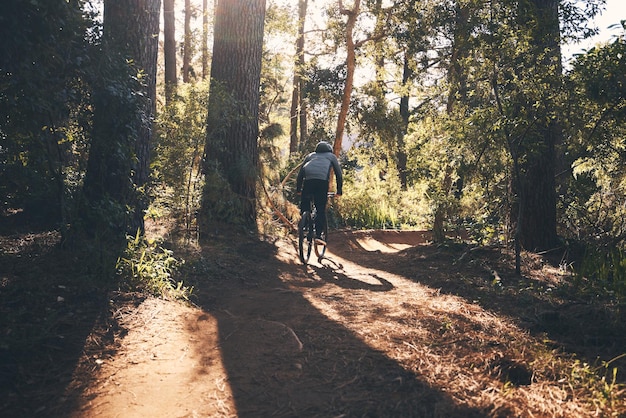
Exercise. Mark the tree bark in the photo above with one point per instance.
(294, 114)
(205, 37)
(169, 48)
(297, 99)
(187, 43)
(537, 187)
(232, 125)
(407, 75)
(118, 165)
(352, 15)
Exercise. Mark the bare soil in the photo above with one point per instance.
(388, 325)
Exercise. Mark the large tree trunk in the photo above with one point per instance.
(537, 196)
(120, 152)
(232, 127)
(147, 51)
(169, 48)
(536, 188)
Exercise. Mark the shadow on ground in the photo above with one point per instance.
(47, 313)
(486, 276)
(284, 358)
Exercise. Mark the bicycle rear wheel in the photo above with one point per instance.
(320, 246)
(305, 237)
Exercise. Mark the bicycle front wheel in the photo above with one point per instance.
(305, 237)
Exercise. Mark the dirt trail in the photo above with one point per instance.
(158, 371)
(385, 327)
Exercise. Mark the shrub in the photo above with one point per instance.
(148, 267)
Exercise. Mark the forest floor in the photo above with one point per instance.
(388, 325)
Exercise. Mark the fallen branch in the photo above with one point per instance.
(277, 212)
(293, 334)
(293, 170)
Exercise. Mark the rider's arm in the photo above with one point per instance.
(338, 176)
(300, 180)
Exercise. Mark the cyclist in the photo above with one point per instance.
(313, 179)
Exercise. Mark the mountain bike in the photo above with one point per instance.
(307, 240)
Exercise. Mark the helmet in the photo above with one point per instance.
(323, 146)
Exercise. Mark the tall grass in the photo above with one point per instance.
(148, 267)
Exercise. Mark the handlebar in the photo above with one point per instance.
(329, 195)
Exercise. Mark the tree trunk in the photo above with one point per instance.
(407, 75)
(148, 34)
(304, 132)
(294, 114)
(350, 68)
(187, 43)
(232, 126)
(457, 82)
(169, 48)
(439, 232)
(205, 37)
(297, 91)
(456, 76)
(120, 152)
(537, 188)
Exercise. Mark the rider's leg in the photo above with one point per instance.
(305, 204)
(321, 197)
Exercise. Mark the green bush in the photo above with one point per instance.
(148, 267)
(372, 202)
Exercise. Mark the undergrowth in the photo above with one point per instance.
(602, 273)
(148, 267)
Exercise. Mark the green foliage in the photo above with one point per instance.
(279, 21)
(363, 210)
(45, 70)
(177, 161)
(148, 267)
(373, 198)
(323, 90)
(276, 65)
(600, 73)
(594, 206)
(463, 175)
(602, 272)
(576, 17)
(606, 388)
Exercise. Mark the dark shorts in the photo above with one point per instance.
(318, 190)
